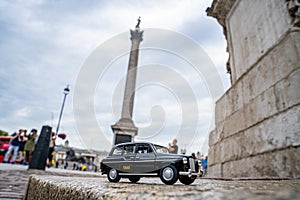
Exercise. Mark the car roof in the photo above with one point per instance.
(128, 143)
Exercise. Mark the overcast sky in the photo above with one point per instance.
(46, 45)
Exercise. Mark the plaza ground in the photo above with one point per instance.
(14, 179)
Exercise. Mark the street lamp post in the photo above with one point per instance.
(66, 92)
(41, 149)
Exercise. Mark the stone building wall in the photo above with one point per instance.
(257, 121)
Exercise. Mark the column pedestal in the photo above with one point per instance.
(124, 131)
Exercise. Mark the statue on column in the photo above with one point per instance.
(138, 24)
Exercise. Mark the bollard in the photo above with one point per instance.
(40, 153)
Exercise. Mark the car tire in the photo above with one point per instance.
(187, 180)
(113, 175)
(169, 175)
(134, 179)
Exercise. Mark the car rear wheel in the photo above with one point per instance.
(169, 175)
(134, 179)
(113, 175)
(187, 180)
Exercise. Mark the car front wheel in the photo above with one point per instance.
(169, 175)
(113, 175)
(187, 180)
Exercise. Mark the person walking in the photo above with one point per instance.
(194, 157)
(51, 149)
(21, 155)
(204, 163)
(14, 147)
(29, 146)
(173, 148)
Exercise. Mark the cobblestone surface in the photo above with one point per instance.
(13, 184)
(14, 179)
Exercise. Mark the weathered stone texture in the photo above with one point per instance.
(272, 68)
(278, 132)
(217, 171)
(275, 164)
(249, 23)
(62, 188)
(53, 187)
(257, 119)
(287, 91)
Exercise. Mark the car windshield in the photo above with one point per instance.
(161, 149)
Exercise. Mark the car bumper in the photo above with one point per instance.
(189, 173)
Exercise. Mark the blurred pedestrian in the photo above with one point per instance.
(14, 147)
(204, 163)
(21, 153)
(66, 165)
(195, 159)
(51, 149)
(173, 148)
(29, 146)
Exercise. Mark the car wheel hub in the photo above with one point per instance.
(168, 173)
(112, 173)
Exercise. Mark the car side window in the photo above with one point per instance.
(144, 149)
(117, 151)
(129, 149)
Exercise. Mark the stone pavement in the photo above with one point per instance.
(14, 178)
(62, 184)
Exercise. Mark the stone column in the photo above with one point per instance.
(257, 120)
(128, 100)
(124, 129)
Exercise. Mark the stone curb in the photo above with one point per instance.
(96, 188)
(68, 188)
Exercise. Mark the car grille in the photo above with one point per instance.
(192, 164)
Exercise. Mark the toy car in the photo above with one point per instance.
(143, 159)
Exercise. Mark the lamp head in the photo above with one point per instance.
(67, 90)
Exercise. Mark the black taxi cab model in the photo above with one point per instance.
(143, 159)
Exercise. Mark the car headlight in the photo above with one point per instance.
(184, 160)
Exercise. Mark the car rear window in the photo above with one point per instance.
(117, 151)
(123, 150)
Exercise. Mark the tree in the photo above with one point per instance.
(3, 133)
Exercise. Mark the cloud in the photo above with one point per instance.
(23, 112)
